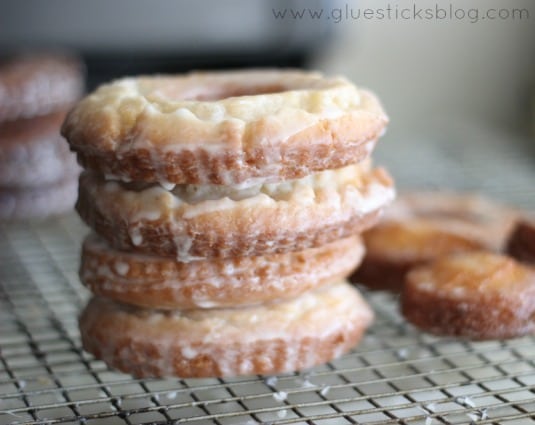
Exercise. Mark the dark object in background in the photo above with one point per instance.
(128, 37)
(521, 244)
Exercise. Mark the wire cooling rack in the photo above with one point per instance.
(396, 375)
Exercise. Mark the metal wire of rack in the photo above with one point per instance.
(396, 375)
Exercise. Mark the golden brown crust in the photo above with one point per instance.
(521, 243)
(466, 214)
(273, 338)
(159, 129)
(381, 274)
(159, 282)
(33, 153)
(32, 85)
(420, 227)
(478, 295)
(258, 225)
(396, 247)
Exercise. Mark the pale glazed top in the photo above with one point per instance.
(201, 106)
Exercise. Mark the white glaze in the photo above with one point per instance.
(122, 268)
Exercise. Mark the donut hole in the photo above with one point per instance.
(219, 93)
(216, 92)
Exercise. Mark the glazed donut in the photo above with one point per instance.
(159, 282)
(478, 295)
(38, 202)
(33, 153)
(420, 227)
(224, 127)
(190, 222)
(32, 85)
(266, 339)
(521, 243)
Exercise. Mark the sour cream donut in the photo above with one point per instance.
(33, 153)
(224, 127)
(38, 84)
(276, 337)
(190, 222)
(160, 282)
(477, 295)
(38, 202)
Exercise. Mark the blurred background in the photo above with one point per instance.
(457, 78)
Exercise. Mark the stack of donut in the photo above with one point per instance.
(226, 210)
(38, 174)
